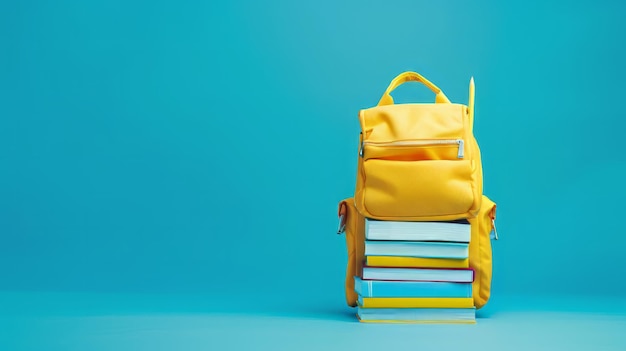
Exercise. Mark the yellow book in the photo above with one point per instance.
(416, 302)
(418, 262)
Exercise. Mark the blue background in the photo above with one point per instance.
(154, 147)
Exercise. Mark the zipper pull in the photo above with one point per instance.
(494, 231)
(461, 144)
(361, 150)
(342, 225)
(342, 218)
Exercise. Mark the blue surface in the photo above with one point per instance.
(51, 321)
(153, 147)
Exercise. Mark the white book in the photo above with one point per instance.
(458, 231)
(418, 274)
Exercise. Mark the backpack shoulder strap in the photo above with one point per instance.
(470, 104)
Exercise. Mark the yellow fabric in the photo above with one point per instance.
(480, 251)
(417, 302)
(418, 162)
(417, 262)
(480, 256)
(355, 244)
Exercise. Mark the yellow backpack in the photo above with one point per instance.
(482, 226)
(418, 162)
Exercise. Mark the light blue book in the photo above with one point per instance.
(459, 230)
(456, 275)
(417, 315)
(381, 288)
(417, 249)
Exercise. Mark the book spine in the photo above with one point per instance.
(417, 249)
(418, 289)
(362, 287)
(415, 262)
(417, 314)
(465, 275)
(416, 302)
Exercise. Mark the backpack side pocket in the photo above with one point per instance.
(480, 251)
(353, 224)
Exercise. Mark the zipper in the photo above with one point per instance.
(409, 143)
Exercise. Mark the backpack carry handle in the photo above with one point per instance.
(402, 78)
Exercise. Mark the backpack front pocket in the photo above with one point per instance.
(417, 179)
(414, 150)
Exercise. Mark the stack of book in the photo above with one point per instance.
(416, 272)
